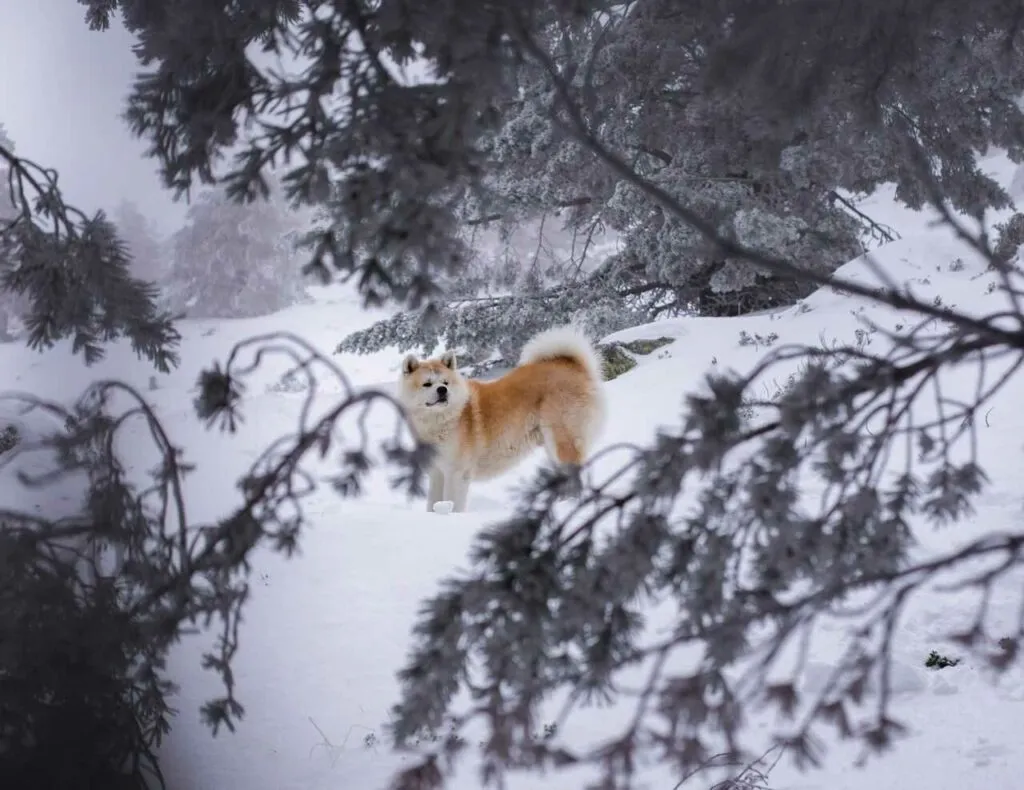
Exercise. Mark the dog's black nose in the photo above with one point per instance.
(442, 391)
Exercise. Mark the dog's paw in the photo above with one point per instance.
(443, 508)
(572, 483)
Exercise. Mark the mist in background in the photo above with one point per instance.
(62, 90)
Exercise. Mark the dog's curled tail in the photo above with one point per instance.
(564, 341)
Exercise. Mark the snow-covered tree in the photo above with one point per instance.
(143, 240)
(236, 259)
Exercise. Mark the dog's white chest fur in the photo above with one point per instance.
(449, 474)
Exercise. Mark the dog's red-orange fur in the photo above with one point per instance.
(553, 399)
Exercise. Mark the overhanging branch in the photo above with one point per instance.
(780, 267)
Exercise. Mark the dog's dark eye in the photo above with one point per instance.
(427, 384)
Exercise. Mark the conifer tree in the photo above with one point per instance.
(143, 240)
(234, 260)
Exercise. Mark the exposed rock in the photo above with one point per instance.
(616, 360)
(646, 346)
(619, 357)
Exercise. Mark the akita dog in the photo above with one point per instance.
(480, 429)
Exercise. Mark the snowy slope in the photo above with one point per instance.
(325, 631)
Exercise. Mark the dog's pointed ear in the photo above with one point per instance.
(409, 364)
(448, 360)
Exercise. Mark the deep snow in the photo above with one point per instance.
(326, 630)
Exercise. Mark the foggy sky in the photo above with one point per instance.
(62, 89)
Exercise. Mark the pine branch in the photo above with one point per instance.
(75, 274)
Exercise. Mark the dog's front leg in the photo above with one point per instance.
(456, 489)
(435, 491)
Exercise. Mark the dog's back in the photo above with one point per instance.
(553, 398)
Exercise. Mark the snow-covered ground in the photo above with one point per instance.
(326, 630)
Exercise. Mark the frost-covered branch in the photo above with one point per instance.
(484, 327)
